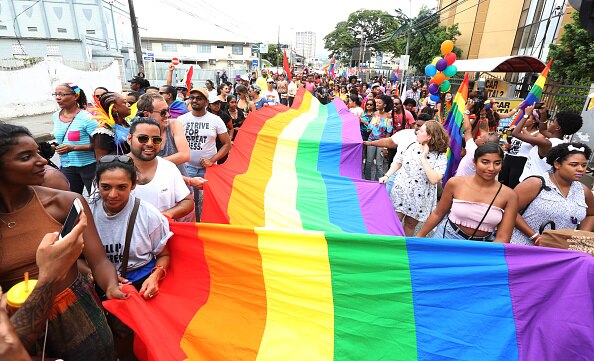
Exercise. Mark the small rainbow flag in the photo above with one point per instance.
(535, 93)
(244, 293)
(454, 124)
(331, 69)
(299, 168)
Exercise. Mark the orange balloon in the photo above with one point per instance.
(439, 78)
(447, 46)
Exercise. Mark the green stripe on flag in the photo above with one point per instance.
(312, 198)
(373, 304)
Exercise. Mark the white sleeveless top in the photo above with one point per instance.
(537, 165)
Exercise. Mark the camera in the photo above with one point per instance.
(538, 105)
(47, 150)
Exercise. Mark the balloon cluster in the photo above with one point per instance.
(441, 70)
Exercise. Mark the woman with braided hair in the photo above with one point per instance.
(112, 131)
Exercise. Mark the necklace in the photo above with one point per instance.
(10, 225)
(556, 182)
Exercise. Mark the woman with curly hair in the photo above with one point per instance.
(110, 135)
(420, 167)
(558, 196)
(380, 127)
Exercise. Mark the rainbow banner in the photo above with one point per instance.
(241, 293)
(454, 125)
(299, 168)
(535, 93)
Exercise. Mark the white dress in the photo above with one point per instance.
(413, 194)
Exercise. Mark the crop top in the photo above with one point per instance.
(469, 214)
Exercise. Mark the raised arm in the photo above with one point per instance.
(181, 142)
(543, 143)
(170, 74)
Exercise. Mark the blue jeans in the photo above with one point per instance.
(198, 194)
(374, 153)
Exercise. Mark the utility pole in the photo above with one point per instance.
(136, 35)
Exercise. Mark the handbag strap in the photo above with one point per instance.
(487, 212)
(131, 220)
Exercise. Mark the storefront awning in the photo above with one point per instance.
(503, 64)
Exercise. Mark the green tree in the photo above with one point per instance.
(275, 55)
(574, 55)
(426, 38)
(362, 25)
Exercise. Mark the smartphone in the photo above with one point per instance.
(71, 219)
(538, 105)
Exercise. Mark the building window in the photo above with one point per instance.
(170, 47)
(53, 50)
(31, 28)
(3, 27)
(90, 31)
(204, 48)
(62, 30)
(149, 46)
(237, 50)
(187, 45)
(220, 46)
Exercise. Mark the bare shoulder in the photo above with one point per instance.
(57, 202)
(508, 193)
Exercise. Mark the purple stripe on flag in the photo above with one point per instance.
(553, 310)
(377, 209)
(352, 143)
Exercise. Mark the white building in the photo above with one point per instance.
(305, 44)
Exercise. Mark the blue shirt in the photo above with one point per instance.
(76, 132)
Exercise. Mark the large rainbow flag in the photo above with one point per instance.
(304, 270)
(239, 293)
(534, 94)
(299, 168)
(454, 124)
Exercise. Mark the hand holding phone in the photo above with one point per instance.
(71, 218)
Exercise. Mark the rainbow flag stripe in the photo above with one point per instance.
(299, 168)
(454, 124)
(238, 293)
(535, 93)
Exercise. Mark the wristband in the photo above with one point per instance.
(534, 236)
(162, 269)
(525, 116)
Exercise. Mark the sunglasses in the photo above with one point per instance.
(61, 95)
(163, 112)
(143, 139)
(116, 158)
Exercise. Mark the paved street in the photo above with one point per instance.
(40, 125)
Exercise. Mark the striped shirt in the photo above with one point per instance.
(79, 133)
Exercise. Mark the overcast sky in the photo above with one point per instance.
(256, 21)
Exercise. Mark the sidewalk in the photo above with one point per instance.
(41, 126)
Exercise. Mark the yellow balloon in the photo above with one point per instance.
(447, 46)
(435, 60)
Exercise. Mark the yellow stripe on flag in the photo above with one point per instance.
(300, 309)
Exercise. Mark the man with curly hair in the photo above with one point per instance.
(554, 132)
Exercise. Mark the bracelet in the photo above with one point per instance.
(537, 240)
(162, 269)
(534, 236)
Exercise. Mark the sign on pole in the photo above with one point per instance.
(263, 48)
(254, 63)
(404, 59)
(175, 61)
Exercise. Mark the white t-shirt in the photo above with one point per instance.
(271, 96)
(466, 166)
(201, 133)
(166, 189)
(403, 139)
(358, 111)
(535, 165)
(150, 235)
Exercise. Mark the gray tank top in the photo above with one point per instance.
(169, 148)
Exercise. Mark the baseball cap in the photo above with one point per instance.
(270, 80)
(237, 77)
(137, 80)
(245, 77)
(202, 91)
(213, 99)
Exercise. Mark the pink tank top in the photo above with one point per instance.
(469, 214)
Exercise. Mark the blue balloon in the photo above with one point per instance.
(435, 98)
(450, 71)
(430, 70)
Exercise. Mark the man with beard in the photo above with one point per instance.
(202, 129)
(159, 181)
(413, 93)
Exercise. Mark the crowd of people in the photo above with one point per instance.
(137, 160)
